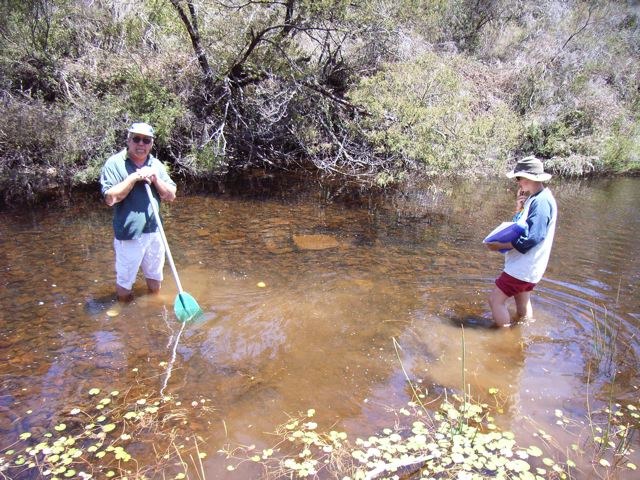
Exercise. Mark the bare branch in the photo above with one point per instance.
(577, 32)
(314, 85)
(191, 25)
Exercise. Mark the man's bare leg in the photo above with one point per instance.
(153, 285)
(123, 294)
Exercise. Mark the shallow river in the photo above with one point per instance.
(303, 294)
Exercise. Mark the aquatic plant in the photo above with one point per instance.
(459, 440)
(464, 444)
(611, 431)
(138, 434)
(605, 339)
(98, 439)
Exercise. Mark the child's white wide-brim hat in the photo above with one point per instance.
(531, 168)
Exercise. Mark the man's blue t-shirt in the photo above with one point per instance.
(133, 216)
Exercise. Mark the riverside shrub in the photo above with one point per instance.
(433, 112)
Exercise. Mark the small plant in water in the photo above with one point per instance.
(605, 339)
(612, 430)
(96, 440)
(458, 441)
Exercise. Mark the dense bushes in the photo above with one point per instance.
(574, 75)
(429, 111)
(370, 89)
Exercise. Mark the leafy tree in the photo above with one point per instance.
(334, 85)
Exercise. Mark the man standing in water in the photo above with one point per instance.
(528, 255)
(137, 239)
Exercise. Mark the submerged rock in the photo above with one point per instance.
(315, 242)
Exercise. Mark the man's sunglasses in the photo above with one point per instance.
(145, 140)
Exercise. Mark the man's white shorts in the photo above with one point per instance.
(146, 252)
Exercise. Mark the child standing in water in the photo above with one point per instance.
(528, 255)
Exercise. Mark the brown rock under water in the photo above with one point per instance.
(315, 242)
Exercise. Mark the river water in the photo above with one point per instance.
(304, 292)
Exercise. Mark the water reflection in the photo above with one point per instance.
(303, 298)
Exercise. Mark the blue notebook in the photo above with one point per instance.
(505, 232)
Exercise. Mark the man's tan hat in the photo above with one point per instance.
(141, 129)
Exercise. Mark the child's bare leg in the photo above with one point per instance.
(499, 310)
(523, 305)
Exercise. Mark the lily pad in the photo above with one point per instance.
(108, 428)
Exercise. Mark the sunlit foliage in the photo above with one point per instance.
(429, 111)
(234, 84)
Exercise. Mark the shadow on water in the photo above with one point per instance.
(302, 297)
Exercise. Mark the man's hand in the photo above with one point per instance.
(148, 174)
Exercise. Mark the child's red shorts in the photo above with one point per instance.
(511, 286)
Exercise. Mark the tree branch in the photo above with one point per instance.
(323, 91)
(586, 23)
(192, 28)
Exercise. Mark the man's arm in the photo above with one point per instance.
(158, 176)
(166, 190)
(119, 192)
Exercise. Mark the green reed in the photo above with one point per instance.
(605, 338)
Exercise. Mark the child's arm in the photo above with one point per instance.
(496, 246)
(538, 221)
